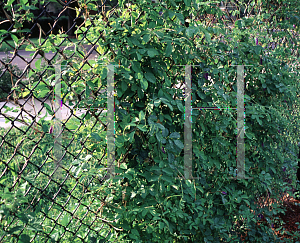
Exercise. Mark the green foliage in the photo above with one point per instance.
(151, 203)
(36, 173)
(156, 206)
(39, 80)
(8, 79)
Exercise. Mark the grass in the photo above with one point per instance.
(6, 45)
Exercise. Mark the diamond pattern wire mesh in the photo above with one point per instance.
(40, 203)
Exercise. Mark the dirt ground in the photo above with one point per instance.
(291, 218)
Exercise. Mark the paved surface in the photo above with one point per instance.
(26, 56)
(32, 108)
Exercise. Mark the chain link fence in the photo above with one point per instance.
(42, 200)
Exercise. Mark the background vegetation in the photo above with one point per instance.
(148, 43)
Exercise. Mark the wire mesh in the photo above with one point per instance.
(43, 201)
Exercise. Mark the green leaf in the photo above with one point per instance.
(142, 128)
(187, 2)
(48, 108)
(179, 144)
(161, 225)
(142, 51)
(131, 136)
(14, 229)
(135, 232)
(86, 67)
(124, 86)
(65, 220)
(249, 135)
(15, 38)
(123, 166)
(23, 30)
(42, 94)
(180, 17)
(38, 64)
(200, 154)
(9, 3)
(30, 73)
(145, 211)
(167, 178)
(154, 178)
(169, 171)
(157, 103)
(238, 24)
(159, 137)
(152, 52)
(144, 84)
(165, 101)
(150, 77)
(180, 106)
(24, 238)
(139, 76)
(135, 41)
(119, 141)
(160, 126)
(201, 95)
(207, 37)
(171, 158)
(169, 49)
(45, 128)
(171, 14)
(96, 136)
(71, 126)
(247, 201)
(165, 132)
(140, 93)
(190, 31)
(136, 66)
(91, 84)
(146, 37)
(141, 115)
(174, 135)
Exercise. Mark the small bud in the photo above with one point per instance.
(163, 150)
(51, 130)
(273, 46)
(256, 41)
(260, 61)
(224, 193)
(284, 169)
(206, 76)
(261, 216)
(294, 26)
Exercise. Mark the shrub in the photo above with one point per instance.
(7, 80)
(151, 203)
